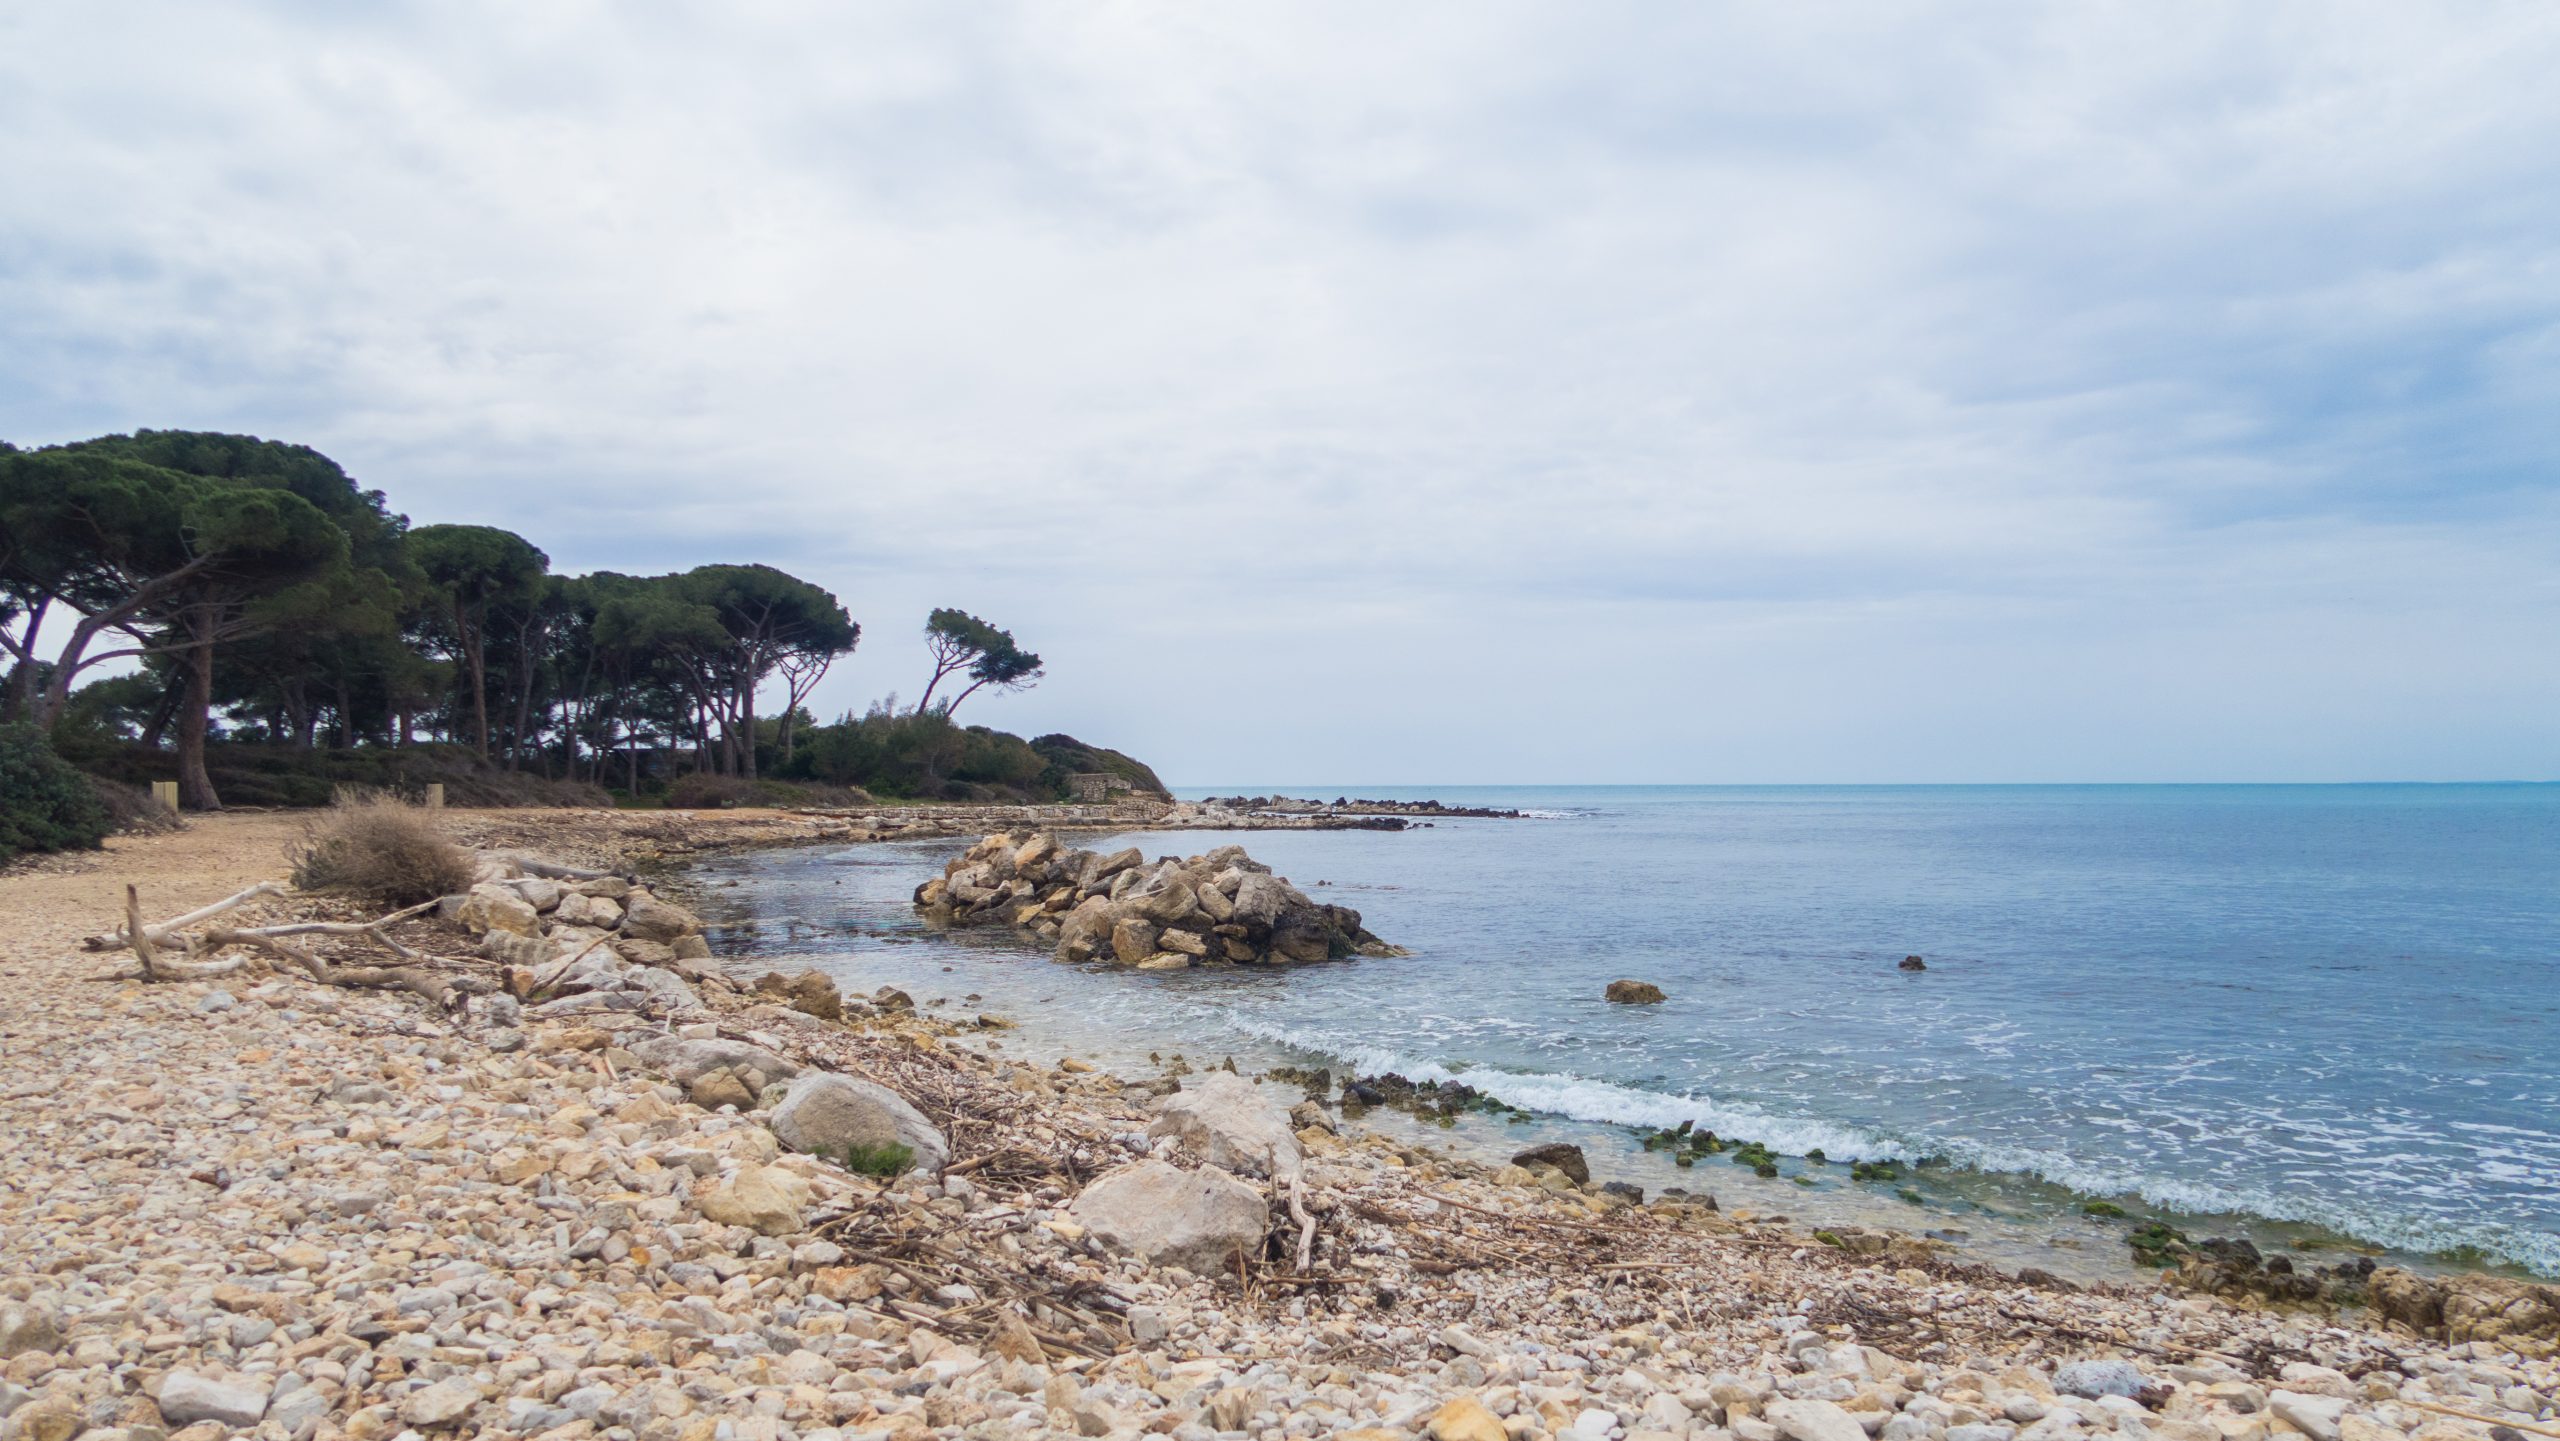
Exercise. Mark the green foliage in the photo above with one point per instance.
(2101, 1208)
(45, 805)
(887, 1160)
(276, 606)
(960, 641)
(1068, 756)
(270, 775)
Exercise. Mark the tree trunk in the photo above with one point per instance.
(524, 692)
(22, 676)
(474, 662)
(195, 716)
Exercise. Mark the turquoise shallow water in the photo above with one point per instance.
(2337, 1006)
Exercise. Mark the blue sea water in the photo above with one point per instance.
(2334, 1006)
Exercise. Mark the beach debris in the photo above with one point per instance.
(1634, 993)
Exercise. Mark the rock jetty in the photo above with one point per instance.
(1221, 907)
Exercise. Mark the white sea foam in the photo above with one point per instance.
(1581, 1098)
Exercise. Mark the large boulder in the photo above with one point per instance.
(1169, 903)
(601, 912)
(1133, 940)
(2514, 1315)
(1166, 1216)
(1104, 868)
(491, 906)
(685, 1061)
(1265, 901)
(2414, 1301)
(645, 917)
(28, 1326)
(1226, 1121)
(1086, 930)
(2519, 1316)
(809, 992)
(1634, 993)
(825, 1115)
(764, 1199)
(186, 1398)
(1563, 1155)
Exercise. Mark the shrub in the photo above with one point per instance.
(130, 809)
(45, 805)
(381, 849)
(703, 791)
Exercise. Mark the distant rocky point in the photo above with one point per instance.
(1220, 907)
(1345, 806)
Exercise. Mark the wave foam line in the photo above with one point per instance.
(1581, 1098)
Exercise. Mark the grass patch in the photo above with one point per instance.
(887, 1160)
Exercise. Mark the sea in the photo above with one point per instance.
(2326, 1018)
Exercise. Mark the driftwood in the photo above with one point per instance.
(1306, 1222)
(145, 942)
(435, 985)
(553, 870)
(152, 965)
(167, 930)
(373, 929)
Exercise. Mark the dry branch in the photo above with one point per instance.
(122, 939)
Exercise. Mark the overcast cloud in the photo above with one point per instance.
(1343, 394)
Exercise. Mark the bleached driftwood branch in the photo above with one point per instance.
(166, 930)
(552, 870)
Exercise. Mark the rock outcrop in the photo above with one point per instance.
(1634, 993)
(1164, 1215)
(1164, 915)
(1562, 1155)
(2519, 1316)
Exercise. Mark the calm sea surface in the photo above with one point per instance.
(2309, 1013)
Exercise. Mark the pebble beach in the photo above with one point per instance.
(263, 1206)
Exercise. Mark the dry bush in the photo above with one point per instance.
(380, 848)
(132, 810)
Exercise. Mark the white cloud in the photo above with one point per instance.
(1452, 392)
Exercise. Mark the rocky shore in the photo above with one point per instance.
(1222, 907)
(671, 1201)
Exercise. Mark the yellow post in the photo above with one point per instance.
(166, 793)
(435, 795)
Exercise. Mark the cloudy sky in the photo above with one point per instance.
(1345, 393)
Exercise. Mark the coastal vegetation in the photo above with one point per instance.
(243, 617)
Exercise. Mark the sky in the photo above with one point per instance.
(1436, 393)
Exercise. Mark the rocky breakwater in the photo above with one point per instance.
(1223, 906)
